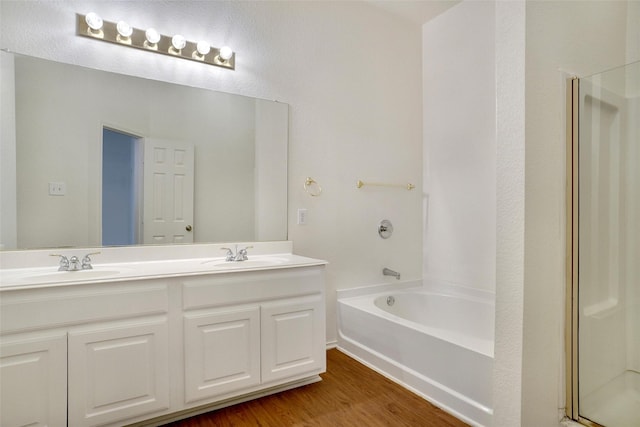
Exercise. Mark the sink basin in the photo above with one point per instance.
(66, 276)
(250, 263)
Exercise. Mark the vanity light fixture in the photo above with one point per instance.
(93, 26)
(178, 43)
(203, 48)
(225, 54)
(94, 21)
(152, 37)
(124, 32)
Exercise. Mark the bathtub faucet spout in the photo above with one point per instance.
(388, 272)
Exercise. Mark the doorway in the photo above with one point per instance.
(121, 188)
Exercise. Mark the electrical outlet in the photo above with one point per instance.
(57, 188)
(302, 217)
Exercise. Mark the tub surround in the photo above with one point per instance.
(147, 340)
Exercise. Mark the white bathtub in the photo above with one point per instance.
(436, 341)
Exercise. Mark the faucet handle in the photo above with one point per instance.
(230, 255)
(64, 262)
(86, 260)
(242, 254)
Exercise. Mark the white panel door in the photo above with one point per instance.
(118, 372)
(222, 352)
(168, 191)
(33, 382)
(292, 338)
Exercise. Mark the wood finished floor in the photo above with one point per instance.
(350, 394)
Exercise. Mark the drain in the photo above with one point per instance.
(390, 300)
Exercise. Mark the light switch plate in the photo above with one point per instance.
(57, 188)
(302, 217)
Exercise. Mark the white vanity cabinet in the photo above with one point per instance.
(244, 332)
(97, 352)
(151, 349)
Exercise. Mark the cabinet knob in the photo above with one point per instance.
(188, 228)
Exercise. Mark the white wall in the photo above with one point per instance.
(351, 74)
(580, 38)
(510, 215)
(460, 145)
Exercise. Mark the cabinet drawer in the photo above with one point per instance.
(62, 306)
(241, 288)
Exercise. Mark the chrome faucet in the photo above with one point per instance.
(240, 255)
(74, 263)
(389, 272)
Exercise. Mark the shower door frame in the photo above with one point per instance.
(572, 238)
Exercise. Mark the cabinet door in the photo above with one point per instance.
(222, 352)
(33, 381)
(118, 371)
(293, 338)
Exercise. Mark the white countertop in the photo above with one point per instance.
(26, 278)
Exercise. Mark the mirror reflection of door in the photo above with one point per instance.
(168, 191)
(121, 188)
(147, 190)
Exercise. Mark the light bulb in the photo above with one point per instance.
(203, 48)
(152, 35)
(124, 29)
(225, 53)
(178, 42)
(93, 21)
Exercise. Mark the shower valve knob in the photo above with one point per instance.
(385, 229)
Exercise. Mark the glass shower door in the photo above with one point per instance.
(608, 248)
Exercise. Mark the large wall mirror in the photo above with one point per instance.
(103, 159)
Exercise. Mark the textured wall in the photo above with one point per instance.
(510, 211)
(351, 74)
